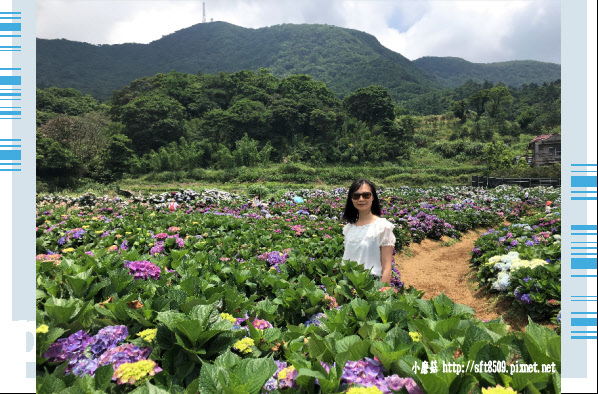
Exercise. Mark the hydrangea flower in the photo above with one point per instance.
(137, 372)
(364, 390)
(143, 269)
(148, 335)
(244, 345)
(502, 282)
(396, 383)
(127, 353)
(316, 319)
(43, 329)
(415, 336)
(230, 318)
(498, 390)
(108, 337)
(261, 324)
(66, 348)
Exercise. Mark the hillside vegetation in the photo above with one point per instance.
(249, 126)
(453, 72)
(344, 59)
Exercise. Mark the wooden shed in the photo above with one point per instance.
(544, 149)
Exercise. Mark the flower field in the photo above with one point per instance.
(204, 291)
(523, 261)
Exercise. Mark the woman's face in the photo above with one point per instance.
(363, 205)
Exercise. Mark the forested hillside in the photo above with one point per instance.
(453, 71)
(342, 58)
(190, 123)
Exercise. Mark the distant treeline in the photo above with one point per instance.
(182, 122)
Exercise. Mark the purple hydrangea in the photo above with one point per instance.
(396, 383)
(127, 353)
(85, 366)
(526, 299)
(275, 259)
(124, 245)
(366, 372)
(61, 241)
(66, 348)
(157, 248)
(316, 319)
(143, 269)
(107, 338)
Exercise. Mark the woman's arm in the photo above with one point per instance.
(386, 261)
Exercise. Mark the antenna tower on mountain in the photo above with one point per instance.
(204, 13)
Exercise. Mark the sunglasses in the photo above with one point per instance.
(366, 195)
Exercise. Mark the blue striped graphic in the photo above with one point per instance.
(584, 227)
(10, 27)
(583, 264)
(10, 154)
(10, 112)
(584, 322)
(583, 181)
(10, 80)
(11, 94)
(584, 165)
(584, 337)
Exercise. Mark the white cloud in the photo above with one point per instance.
(478, 31)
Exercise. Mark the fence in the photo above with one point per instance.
(491, 182)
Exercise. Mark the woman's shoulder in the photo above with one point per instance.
(383, 223)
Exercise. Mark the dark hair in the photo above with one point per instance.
(351, 214)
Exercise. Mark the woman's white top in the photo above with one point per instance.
(363, 243)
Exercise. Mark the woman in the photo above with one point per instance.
(368, 237)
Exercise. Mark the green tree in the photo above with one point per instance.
(153, 120)
(497, 155)
(459, 109)
(478, 101)
(499, 98)
(55, 159)
(115, 159)
(371, 105)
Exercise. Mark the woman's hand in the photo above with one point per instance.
(386, 261)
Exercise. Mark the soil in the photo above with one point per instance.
(443, 266)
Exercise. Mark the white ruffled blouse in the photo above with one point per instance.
(363, 243)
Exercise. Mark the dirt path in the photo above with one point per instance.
(437, 266)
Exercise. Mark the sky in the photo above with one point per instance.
(476, 30)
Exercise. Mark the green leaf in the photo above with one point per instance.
(149, 388)
(192, 329)
(210, 379)
(433, 384)
(443, 305)
(361, 308)
(255, 372)
(344, 344)
(103, 377)
(472, 335)
(60, 310)
(193, 387)
(463, 311)
(50, 385)
(553, 348)
(227, 360)
(170, 318)
(426, 307)
(463, 384)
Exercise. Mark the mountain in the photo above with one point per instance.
(453, 71)
(344, 59)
